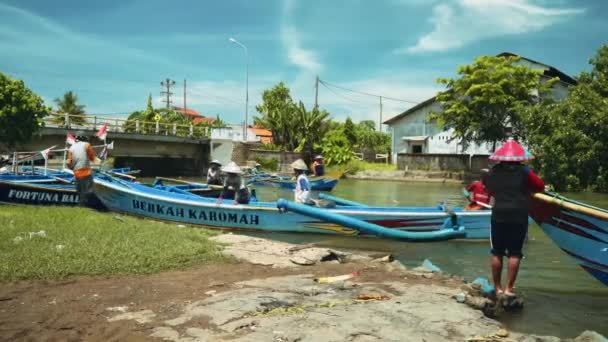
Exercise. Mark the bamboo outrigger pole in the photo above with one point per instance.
(602, 215)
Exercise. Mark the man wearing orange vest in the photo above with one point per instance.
(80, 156)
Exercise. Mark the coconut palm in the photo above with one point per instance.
(68, 104)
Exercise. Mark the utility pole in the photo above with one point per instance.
(317, 92)
(185, 95)
(380, 123)
(167, 83)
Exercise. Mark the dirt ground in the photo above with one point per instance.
(270, 294)
(77, 309)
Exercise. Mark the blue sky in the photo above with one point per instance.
(114, 53)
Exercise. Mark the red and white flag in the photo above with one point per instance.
(104, 153)
(103, 131)
(70, 139)
(45, 153)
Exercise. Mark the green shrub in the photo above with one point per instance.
(270, 164)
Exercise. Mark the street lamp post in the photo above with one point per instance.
(246, 84)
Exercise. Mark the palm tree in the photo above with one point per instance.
(310, 129)
(69, 105)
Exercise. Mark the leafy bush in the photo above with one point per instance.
(336, 148)
(270, 164)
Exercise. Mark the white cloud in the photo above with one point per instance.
(290, 37)
(459, 23)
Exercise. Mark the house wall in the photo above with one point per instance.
(285, 158)
(441, 162)
(414, 124)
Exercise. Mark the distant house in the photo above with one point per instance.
(194, 116)
(264, 134)
(413, 133)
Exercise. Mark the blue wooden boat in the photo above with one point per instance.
(185, 207)
(54, 188)
(16, 192)
(580, 230)
(324, 183)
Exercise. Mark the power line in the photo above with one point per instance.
(340, 95)
(204, 94)
(366, 93)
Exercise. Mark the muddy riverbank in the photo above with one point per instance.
(275, 292)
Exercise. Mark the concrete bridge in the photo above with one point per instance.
(154, 154)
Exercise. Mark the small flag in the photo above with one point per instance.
(103, 155)
(45, 153)
(103, 131)
(70, 139)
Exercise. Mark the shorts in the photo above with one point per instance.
(508, 238)
(84, 186)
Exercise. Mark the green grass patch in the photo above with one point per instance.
(55, 242)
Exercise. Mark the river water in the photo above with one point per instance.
(560, 298)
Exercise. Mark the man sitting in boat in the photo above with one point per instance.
(213, 173)
(234, 185)
(477, 193)
(302, 191)
(318, 168)
(80, 156)
(255, 169)
(511, 184)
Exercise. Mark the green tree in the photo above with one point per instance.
(370, 124)
(292, 126)
(485, 103)
(349, 131)
(310, 129)
(336, 148)
(218, 123)
(68, 104)
(570, 138)
(149, 108)
(21, 112)
(277, 109)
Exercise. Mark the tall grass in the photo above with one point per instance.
(55, 242)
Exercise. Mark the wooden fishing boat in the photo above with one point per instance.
(54, 188)
(15, 192)
(181, 206)
(580, 230)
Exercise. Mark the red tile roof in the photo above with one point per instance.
(203, 120)
(264, 134)
(187, 111)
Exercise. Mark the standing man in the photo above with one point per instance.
(80, 156)
(213, 173)
(302, 190)
(511, 184)
(317, 166)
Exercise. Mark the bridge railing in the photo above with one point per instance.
(91, 122)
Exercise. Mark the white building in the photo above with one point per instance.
(413, 133)
(234, 133)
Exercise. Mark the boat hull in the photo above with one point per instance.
(583, 237)
(154, 203)
(15, 192)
